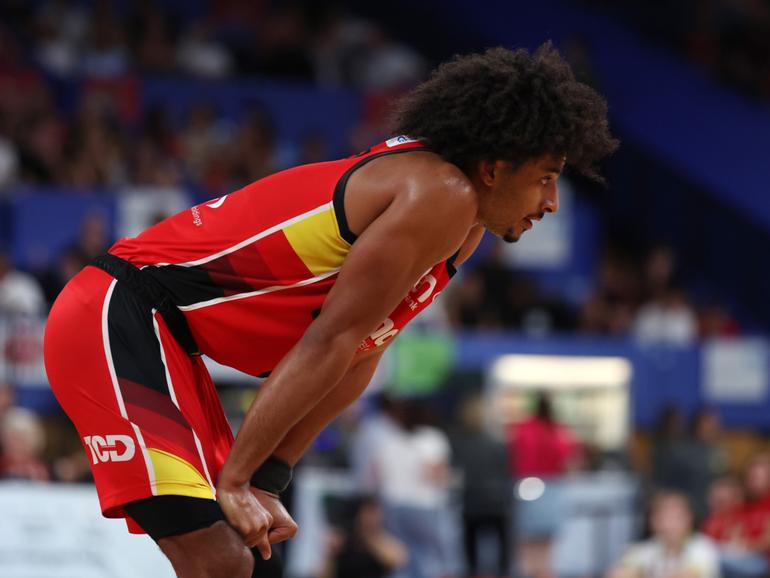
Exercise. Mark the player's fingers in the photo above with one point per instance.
(277, 535)
(255, 527)
(263, 546)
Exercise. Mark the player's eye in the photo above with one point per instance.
(545, 180)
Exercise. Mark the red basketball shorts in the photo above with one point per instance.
(147, 413)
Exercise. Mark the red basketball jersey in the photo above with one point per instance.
(250, 270)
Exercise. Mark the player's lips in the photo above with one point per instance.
(528, 220)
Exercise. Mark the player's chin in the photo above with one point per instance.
(510, 236)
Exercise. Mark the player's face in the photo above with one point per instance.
(518, 195)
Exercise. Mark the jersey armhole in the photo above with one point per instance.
(450, 264)
(338, 200)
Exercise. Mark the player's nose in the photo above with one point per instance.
(551, 200)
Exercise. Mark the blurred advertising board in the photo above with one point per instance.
(57, 531)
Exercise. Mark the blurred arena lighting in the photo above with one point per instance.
(558, 372)
(591, 393)
(530, 489)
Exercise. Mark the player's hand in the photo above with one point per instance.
(284, 527)
(247, 515)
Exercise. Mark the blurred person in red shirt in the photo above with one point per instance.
(725, 525)
(756, 513)
(539, 446)
(541, 450)
(750, 554)
(726, 502)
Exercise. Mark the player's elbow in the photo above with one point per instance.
(330, 339)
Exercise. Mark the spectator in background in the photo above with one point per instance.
(92, 240)
(199, 54)
(374, 430)
(715, 321)
(610, 309)
(152, 38)
(22, 439)
(37, 131)
(669, 319)
(9, 159)
(669, 446)
(359, 546)
(486, 494)
(253, 152)
(705, 459)
(201, 140)
(7, 400)
(413, 472)
(105, 54)
(20, 293)
(673, 550)
(60, 27)
(724, 525)
(95, 150)
(659, 272)
(725, 507)
(688, 461)
(541, 448)
(755, 522)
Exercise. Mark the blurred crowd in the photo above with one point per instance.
(708, 511)
(108, 142)
(638, 294)
(458, 500)
(298, 39)
(728, 38)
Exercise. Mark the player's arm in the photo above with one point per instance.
(349, 388)
(296, 442)
(424, 224)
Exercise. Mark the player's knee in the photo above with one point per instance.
(234, 561)
(214, 552)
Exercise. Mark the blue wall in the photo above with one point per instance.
(662, 376)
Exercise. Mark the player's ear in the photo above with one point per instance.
(488, 171)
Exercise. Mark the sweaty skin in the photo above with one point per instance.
(410, 211)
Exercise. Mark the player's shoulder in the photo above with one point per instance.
(430, 181)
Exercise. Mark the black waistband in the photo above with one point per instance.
(155, 296)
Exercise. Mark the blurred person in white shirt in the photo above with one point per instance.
(22, 439)
(20, 293)
(412, 469)
(669, 319)
(674, 550)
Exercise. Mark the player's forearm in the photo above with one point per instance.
(349, 388)
(304, 377)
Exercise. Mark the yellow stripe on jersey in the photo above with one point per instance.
(317, 241)
(176, 476)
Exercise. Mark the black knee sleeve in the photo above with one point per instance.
(164, 516)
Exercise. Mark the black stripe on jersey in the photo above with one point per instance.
(187, 285)
(133, 343)
(141, 376)
(339, 191)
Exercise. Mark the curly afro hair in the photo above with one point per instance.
(509, 105)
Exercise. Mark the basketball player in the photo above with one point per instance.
(306, 275)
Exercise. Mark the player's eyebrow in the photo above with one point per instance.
(554, 169)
